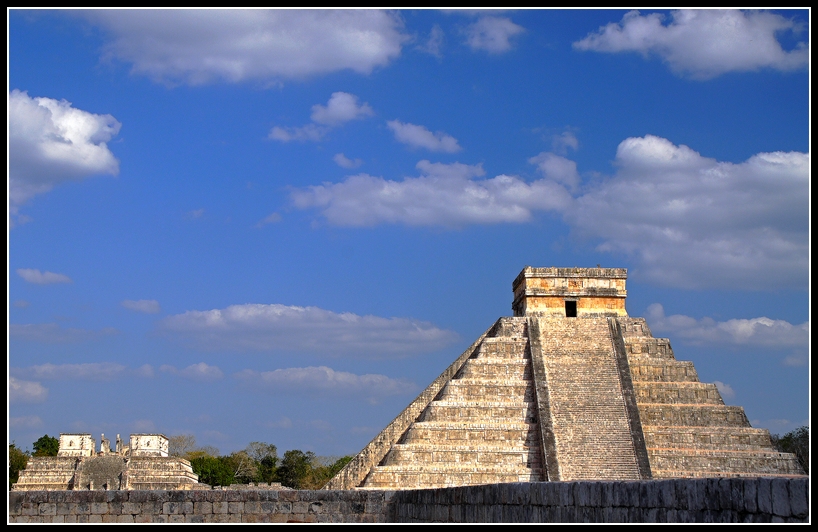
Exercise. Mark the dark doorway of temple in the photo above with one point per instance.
(570, 309)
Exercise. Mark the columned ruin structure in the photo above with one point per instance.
(144, 464)
(569, 388)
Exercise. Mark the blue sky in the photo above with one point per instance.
(281, 226)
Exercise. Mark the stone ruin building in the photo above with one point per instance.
(569, 388)
(144, 464)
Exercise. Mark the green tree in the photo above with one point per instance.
(323, 469)
(46, 446)
(795, 442)
(17, 462)
(213, 470)
(295, 468)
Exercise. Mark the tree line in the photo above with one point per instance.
(258, 462)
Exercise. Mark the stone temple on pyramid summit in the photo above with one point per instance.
(569, 388)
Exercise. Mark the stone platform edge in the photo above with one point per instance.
(706, 500)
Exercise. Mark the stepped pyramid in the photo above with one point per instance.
(570, 388)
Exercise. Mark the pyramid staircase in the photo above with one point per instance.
(587, 408)
(481, 428)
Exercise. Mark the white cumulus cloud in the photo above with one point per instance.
(26, 391)
(271, 328)
(686, 220)
(37, 277)
(693, 221)
(444, 195)
(492, 34)
(420, 137)
(324, 380)
(202, 46)
(704, 43)
(196, 372)
(51, 142)
(754, 332)
(148, 306)
(557, 168)
(342, 107)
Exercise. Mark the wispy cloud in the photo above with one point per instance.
(271, 328)
(434, 44)
(25, 422)
(37, 277)
(492, 34)
(21, 391)
(704, 43)
(269, 219)
(196, 372)
(147, 306)
(94, 371)
(344, 162)
(420, 137)
(444, 195)
(325, 381)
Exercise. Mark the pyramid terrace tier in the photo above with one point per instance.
(409, 477)
(677, 393)
(707, 438)
(514, 412)
(437, 457)
(674, 463)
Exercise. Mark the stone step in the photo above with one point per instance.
(658, 370)
(521, 412)
(650, 347)
(633, 328)
(739, 438)
(671, 415)
(677, 392)
(510, 327)
(760, 463)
(438, 458)
(478, 433)
(419, 477)
(496, 368)
(587, 407)
(464, 388)
(161, 486)
(503, 348)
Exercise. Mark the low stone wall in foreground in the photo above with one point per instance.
(726, 500)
